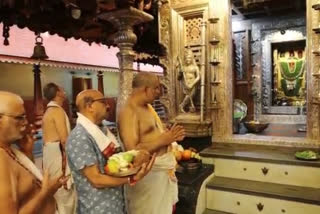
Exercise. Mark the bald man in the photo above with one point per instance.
(22, 188)
(86, 152)
(141, 128)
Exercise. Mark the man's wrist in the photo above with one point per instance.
(132, 181)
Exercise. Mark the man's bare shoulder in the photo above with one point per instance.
(126, 111)
(5, 160)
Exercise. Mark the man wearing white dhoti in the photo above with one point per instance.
(22, 187)
(56, 128)
(141, 128)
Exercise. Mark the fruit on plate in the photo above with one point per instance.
(195, 155)
(128, 157)
(112, 167)
(178, 155)
(120, 162)
(307, 155)
(186, 154)
(142, 156)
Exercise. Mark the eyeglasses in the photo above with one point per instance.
(101, 100)
(16, 117)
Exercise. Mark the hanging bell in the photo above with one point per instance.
(39, 51)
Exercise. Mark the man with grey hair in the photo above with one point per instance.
(141, 128)
(23, 189)
(56, 128)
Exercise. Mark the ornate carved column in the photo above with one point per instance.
(37, 96)
(100, 82)
(313, 77)
(182, 23)
(222, 118)
(124, 20)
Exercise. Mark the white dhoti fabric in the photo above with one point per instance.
(52, 161)
(157, 192)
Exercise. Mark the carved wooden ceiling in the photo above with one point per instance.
(252, 9)
(78, 19)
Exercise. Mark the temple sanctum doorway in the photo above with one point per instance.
(269, 69)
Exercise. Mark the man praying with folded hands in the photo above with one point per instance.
(141, 128)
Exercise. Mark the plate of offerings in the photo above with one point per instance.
(307, 155)
(121, 164)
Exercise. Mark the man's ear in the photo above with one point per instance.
(88, 106)
(145, 89)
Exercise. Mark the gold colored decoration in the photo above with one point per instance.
(289, 78)
(193, 31)
(182, 26)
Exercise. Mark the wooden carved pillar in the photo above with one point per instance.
(37, 96)
(100, 82)
(313, 77)
(125, 38)
(222, 117)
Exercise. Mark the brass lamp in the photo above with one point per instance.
(39, 52)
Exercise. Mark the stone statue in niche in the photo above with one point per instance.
(189, 75)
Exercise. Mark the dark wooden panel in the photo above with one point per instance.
(241, 93)
(79, 84)
(112, 102)
(243, 70)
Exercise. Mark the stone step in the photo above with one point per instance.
(268, 190)
(207, 211)
(258, 153)
(258, 163)
(268, 172)
(251, 197)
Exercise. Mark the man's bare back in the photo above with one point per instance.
(50, 126)
(21, 184)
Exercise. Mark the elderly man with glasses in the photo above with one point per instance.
(89, 146)
(22, 187)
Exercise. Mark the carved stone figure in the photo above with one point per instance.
(189, 74)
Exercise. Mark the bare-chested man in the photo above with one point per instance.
(56, 128)
(21, 188)
(141, 128)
